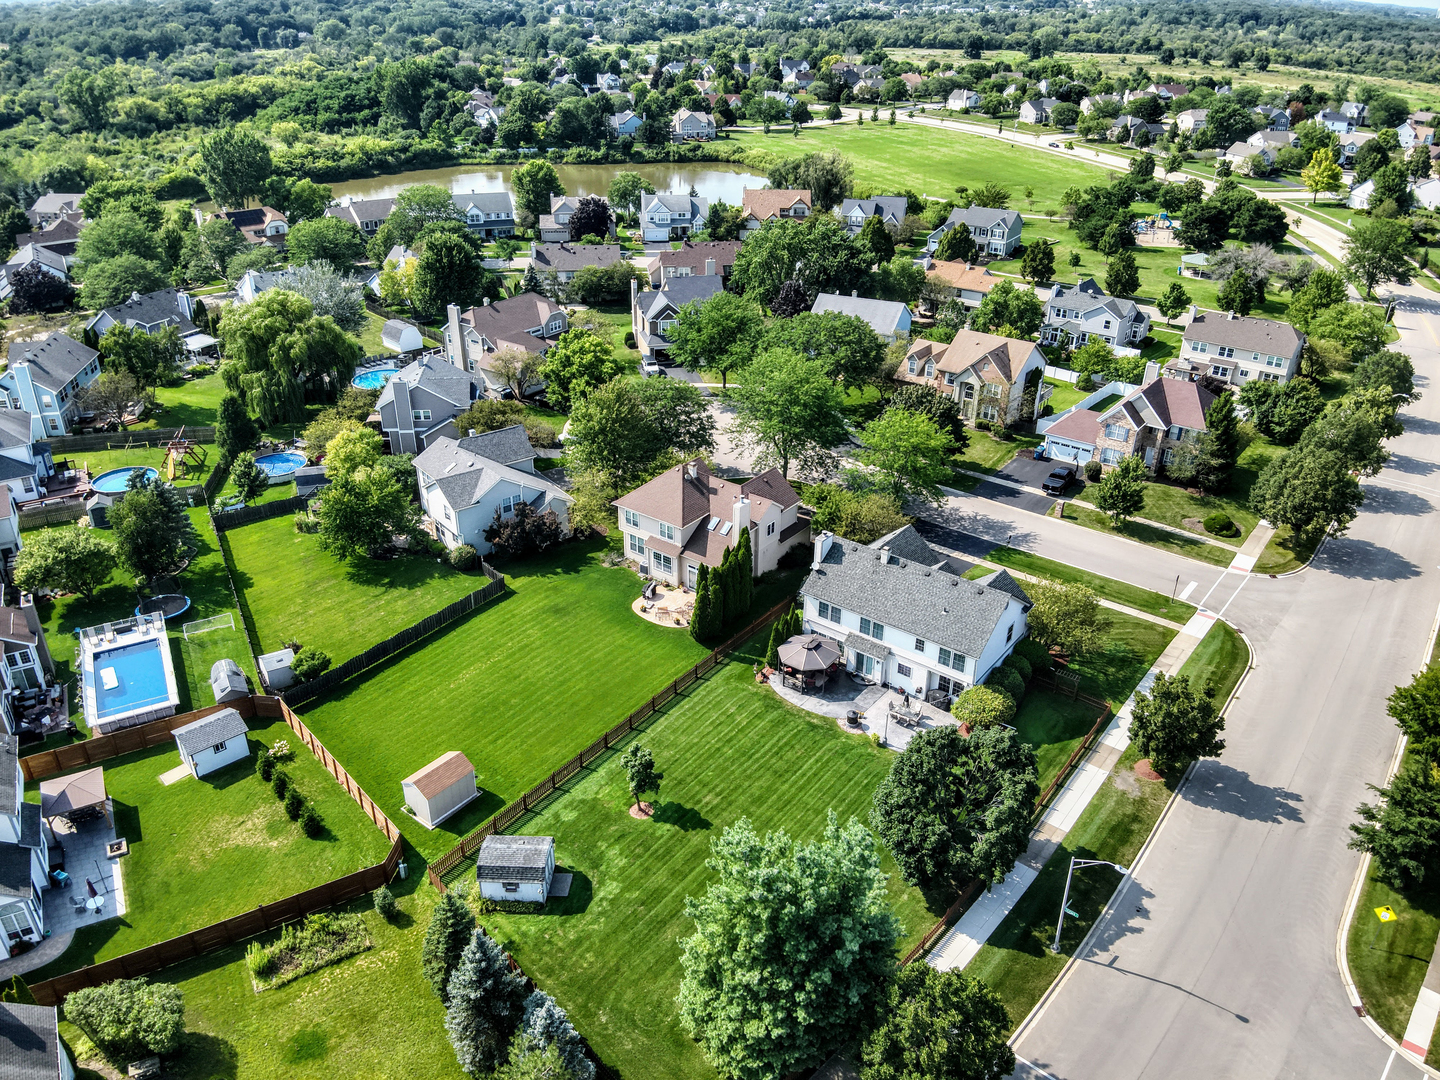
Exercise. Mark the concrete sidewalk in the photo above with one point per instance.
(1421, 1028)
(959, 946)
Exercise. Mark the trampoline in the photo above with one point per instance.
(167, 604)
(117, 480)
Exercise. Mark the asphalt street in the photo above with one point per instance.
(1219, 959)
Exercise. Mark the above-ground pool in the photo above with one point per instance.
(129, 678)
(279, 467)
(117, 480)
(374, 379)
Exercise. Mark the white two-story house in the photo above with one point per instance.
(687, 516)
(465, 482)
(996, 232)
(905, 615)
(1238, 348)
(24, 855)
(664, 216)
(490, 214)
(1084, 313)
(43, 379)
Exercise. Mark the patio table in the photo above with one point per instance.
(95, 903)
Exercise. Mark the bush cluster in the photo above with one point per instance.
(296, 805)
(310, 662)
(1092, 471)
(1035, 654)
(462, 557)
(385, 904)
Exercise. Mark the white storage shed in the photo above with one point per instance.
(275, 669)
(227, 681)
(440, 789)
(398, 336)
(516, 867)
(212, 742)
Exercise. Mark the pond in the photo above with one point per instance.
(712, 179)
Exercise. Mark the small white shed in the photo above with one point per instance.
(516, 867)
(275, 669)
(212, 742)
(398, 336)
(440, 789)
(227, 681)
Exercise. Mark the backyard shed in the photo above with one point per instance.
(309, 480)
(227, 681)
(440, 789)
(516, 867)
(400, 336)
(275, 669)
(212, 742)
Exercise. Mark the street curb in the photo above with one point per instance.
(1084, 945)
(1308, 562)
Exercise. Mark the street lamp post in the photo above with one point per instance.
(1074, 864)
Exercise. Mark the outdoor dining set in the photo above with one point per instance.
(809, 662)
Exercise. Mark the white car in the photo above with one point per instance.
(649, 366)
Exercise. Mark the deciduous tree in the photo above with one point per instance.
(826, 174)
(909, 452)
(235, 164)
(533, 184)
(592, 217)
(639, 765)
(68, 560)
(721, 333)
(787, 412)
(1310, 490)
(1009, 310)
(1038, 262)
(938, 1025)
(1402, 832)
(1322, 174)
(1121, 493)
(1176, 723)
(1378, 251)
(846, 346)
(1068, 615)
(129, 1019)
(577, 363)
(325, 239)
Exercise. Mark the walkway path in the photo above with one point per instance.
(1421, 1028)
(959, 946)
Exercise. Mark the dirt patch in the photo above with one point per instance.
(1145, 771)
(641, 812)
(1195, 525)
(1127, 783)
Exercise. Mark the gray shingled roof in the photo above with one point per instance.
(905, 543)
(506, 445)
(463, 477)
(1245, 332)
(439, 377)
(156, 307)
(488, 202)
(1002, 580)
(679, 291)
(513, 858)
(30, 818)
(210, 731)
(882, 315)
(9, 762)
(983, 217)
(932, 604)
(15, 872)
(882, 206)
(1086, 296)
(565, 257)
(54, 361)
(29, 1042)
(10, 469)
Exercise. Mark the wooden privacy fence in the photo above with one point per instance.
(310, 690)
(467, 847)
(233, 519)
(59, 513)
(215, 481)
(238, 927)
(126, 440)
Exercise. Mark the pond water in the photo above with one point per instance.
(713, 180)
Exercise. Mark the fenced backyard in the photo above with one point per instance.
(233, 519)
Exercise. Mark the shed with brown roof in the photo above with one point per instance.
(441, 788)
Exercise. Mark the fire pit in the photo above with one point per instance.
(116, 848)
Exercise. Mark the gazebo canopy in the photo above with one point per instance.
(66, 794)
(810, 652)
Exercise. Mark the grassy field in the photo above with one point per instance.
(1017, 962)
(1140, 532)
(1119, 592)
(295, 590)
(934, 163)
(203, 850)
(987, 454)
(1063, 395)
(520, 686)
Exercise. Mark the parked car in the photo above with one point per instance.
(1059, 479)
(649, 366)
(1056, 145)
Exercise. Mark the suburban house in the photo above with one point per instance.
(1083, 312)
(1166, 91)
(1356, 111)
(464, 483)
(152, 313)
(759, 205)
(626, 124)
(1275, 119)
(687, 516)
(688, 126)
(516, 867)
(890, 209)
(890, 319)
(28, 664)
(715, 100)
(24, 855)
(1240, 156)
(907, 618)
(1125, 127)
(996, 232)
(554, 227)
(59, 236)
(1412, 134)
(1090, 103)
(781, 96)
(692, 259)
(653, 312)
(1151, 422)
(664, 216)
(490, 214)
(1274, 140)
(421, 401)
(440, 789)
(257, 224)
(367, 215)
(254, 282)
(1337, 122)
(1037, 110)
(985, 373)
(53, 205)
(30, 1046)
(1238, 348)
(529, 321)
(1191, 119)
(42, 380)
(47, 259)
(962, 99)
(963, 281)
(565, 260)
(790, 68)
(1350, 145)
(212, 742)
(395, 259)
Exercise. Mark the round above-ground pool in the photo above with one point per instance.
(170, 604)
(117, 480)
(374, 379)
(280, 467)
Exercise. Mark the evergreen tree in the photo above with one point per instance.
(1215, 465)
(777, 637)
(700, 616)
(744, 575)
(530, 282)
(1123, 276)
(716, 621)
(729, 580)
(486, 1005)
(235, 432)
(450, 929)
(546, 1024)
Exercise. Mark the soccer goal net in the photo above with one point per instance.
(215, 622)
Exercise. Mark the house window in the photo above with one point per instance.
(508, 504)
(1176, 433)
(989, 412)
(446, 511)
(217, 748)
(632, 519)
(874, 630)
(770, 529)
(637, 544)
(1168, 456)
(1109, 456)
(968, 392)
(1199, 346)
(511, 886)
(1275, 361)
(1269, 376)
(1219, 372)
(15, 922)
(662, 561)
(958, 662)
(828, 612)
(929, 369)
(920, 646)
(1117, 432)
(421, 414)
(903, 670)
(29, 484)
(1107, 325)
(667, 532)
(1225, 352)
(942, 683)
(1010, 634)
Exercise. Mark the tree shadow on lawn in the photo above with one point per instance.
(684, 818)
(405, 572)
(574, 556)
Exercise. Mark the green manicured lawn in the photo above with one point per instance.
(1173, 505)
(370, 336)
(1017, 962)
(934, 162)
(1149, 534)
(1153, 603)
(1130, 647)
(1284, 553)
(610, 952)
(1164, 346)
(203, 850)
(1054, 725)
(295, 590)
(99, 461)
(193, 403)
(617, 318)
(521, 686)
(1063, 395)
(987, 454)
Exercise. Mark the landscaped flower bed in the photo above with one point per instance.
(321, 940)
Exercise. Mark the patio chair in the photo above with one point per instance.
(77, 903)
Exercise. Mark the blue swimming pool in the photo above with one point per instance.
(374, 379)
(129, 677)
(116, 480)
(279, 466)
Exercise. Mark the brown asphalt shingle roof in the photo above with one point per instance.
(1083, 425)
(441, 773)
(1005, 356)
(962, 275)
(765, 203)
(12, 624)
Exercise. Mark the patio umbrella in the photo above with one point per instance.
(90, 887)
(810, 652)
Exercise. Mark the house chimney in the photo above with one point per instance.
(690, 470)
(822, 546)
(854, 292)
(1152, 372)
(709, 267)
(634, 292)
(485, 302)
(456, 342)
(1194, 311)
(472, 433)
(1231, 316)
(741, 514)
(32, 622)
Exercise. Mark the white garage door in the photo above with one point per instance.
(1064, 450)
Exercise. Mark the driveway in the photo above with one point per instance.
(1035, 501)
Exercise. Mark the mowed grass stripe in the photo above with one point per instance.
(520, 686)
